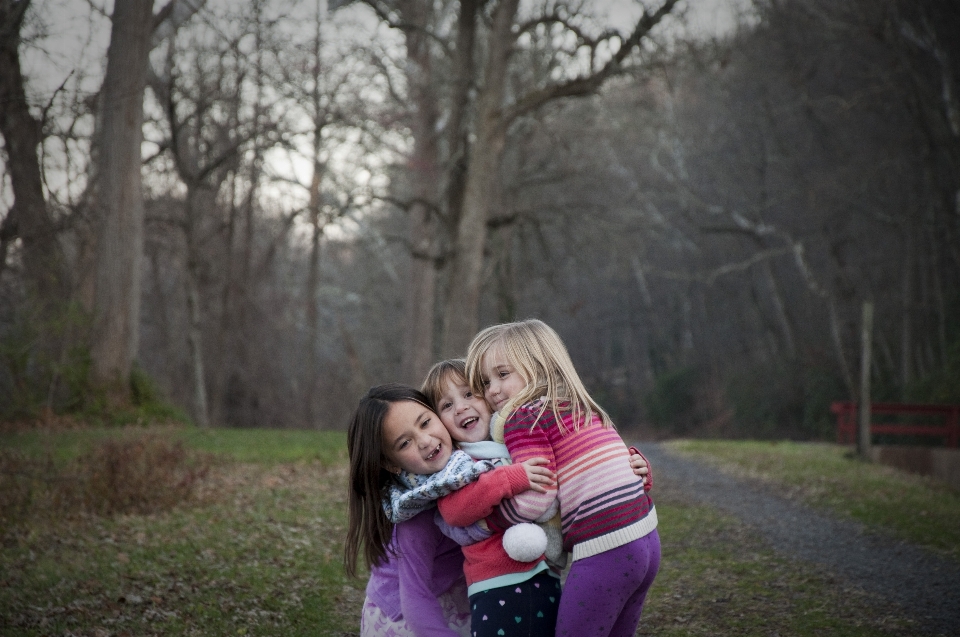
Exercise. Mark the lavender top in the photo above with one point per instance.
(407, 585)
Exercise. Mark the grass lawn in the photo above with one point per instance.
(258, 552)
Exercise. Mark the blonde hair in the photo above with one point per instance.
(538, 354)
(435, 381)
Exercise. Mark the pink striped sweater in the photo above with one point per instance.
(602, 503)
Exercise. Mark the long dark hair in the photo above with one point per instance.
(370, 530)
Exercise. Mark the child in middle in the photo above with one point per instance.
(507, 597)
(498, 586)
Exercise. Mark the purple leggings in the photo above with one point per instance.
(604, 594)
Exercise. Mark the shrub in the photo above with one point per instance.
(942, 385)
(147, 473)
(41, 364)
(148, 399)
(45, 370)
(21, 482)
(672, 401)
(783, 399)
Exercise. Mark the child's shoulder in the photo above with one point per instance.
(537, 411)
(535, 406)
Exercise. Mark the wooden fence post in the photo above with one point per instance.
(866, 333)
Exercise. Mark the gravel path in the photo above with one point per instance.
(924, 585)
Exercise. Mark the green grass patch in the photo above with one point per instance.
(244, 445)
(915, 508)
(257, 551)
(269, 445)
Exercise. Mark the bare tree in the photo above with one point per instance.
(119, 242)
(29, 219)
(118, 197)
(495, 108)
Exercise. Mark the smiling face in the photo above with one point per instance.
(414, 439)
(501, 381)
(464, 414)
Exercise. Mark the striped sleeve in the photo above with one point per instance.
(524, 440)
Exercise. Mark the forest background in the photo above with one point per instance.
(245, 214)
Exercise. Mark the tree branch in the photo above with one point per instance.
(407, 204)
(11, 17)
(588, 84)
(383, 12)
(709, 277)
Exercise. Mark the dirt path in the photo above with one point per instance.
(925, 586)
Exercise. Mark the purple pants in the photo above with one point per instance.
(604, 594)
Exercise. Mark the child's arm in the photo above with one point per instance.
(463, 535)
(477, 500)
(421, 491)
(524, 441)
(641, 468)
(417, 543)
(639, 465)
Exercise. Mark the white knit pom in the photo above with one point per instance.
(524, 542)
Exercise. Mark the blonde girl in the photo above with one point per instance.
(608, 520)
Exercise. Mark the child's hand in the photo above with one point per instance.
(538, 475)
(640, 468)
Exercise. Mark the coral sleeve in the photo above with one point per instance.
(477, 500)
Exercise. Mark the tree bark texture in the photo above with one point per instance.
(119, 241)
(312, 296)
(463, 302)
(198, 198)
(866, 357)
(464, 66)
(195, 341)
(418, 342)
(906, 305)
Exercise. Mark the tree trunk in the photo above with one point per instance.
(644, 323)
(312, 411)
(201, 411)
(786, 329)
(457, 132)
(505, 275)
(225, 337)
(866, 350)
(940, 302)
(119, 241)
(312, 296)
(28, 218)
(463, 303)
(906, 307)
(418, 340)
(195, 341)
(418, 344)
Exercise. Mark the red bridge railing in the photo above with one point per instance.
(948, 428)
